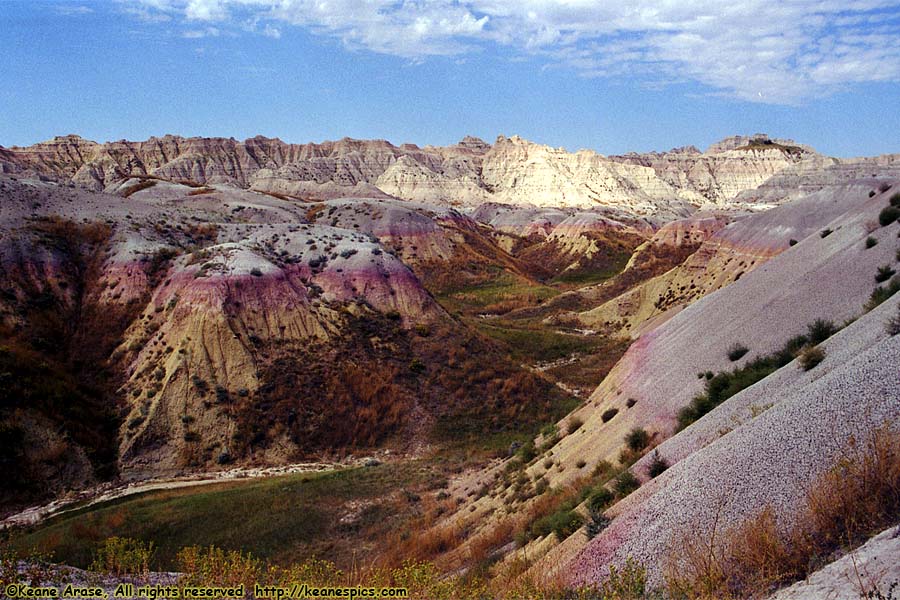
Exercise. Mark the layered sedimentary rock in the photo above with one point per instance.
(821, 277)
(186, 298)
(745, 170)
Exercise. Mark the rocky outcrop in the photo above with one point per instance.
(193, 293)
(738, 170)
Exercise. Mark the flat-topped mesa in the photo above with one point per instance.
(758, 141)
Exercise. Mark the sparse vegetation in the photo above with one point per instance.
(627, 583)
(884, 273)
(625, 483)
(882, 293)
(143, 184)
(810, 357)
(573, 425)
(123, 556)
(856, 498)
(608, 414)
(871, 242)
(888, 215)
(893, 325)
(825, 233)
(736, 351)
(658, 465)
(637, 439)
(726, 384)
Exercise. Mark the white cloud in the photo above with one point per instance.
(205, 10)
(194, 34)
(70, 10)
(756, 50)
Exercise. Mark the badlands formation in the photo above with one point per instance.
(192, 305)
(511, 171)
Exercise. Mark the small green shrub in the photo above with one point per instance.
(122, 556)
(597, 523)
(574, 425)
(721, 386)
(602, 469)
(609, 414)
(625, 483)
(626, 583)
(888, 215)
(637, 439)
(527, 452)
(895, 200)
(563, 523)
(893, 325)
(599, 500)
(256, 272)
(882, 293)
(737, 351)
(792, 242)
(871, 242)
(657, 465)
(884, 273)
(581, 463)
(222, 395)
(825, 233)
(811, 357)
(820, 330)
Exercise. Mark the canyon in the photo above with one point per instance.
(506, 317)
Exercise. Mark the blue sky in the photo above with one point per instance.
(572, 73)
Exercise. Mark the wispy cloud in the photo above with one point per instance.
(755, 50)
(70, 10)
(200, 33)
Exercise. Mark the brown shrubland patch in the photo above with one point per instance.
(856, 498)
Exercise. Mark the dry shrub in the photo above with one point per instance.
(216, 567)
(137, 187)
(856, 498)
(759, 557)
(696, 569)
(123, 556)
(485, 544)
(859, 495)
(420, 544)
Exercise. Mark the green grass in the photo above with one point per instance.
(464, 436)
(582, 277)
(533, 344)
(504, 288)
(285, 519)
